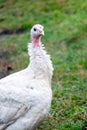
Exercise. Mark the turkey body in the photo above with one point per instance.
(25, 96)
(35, 97)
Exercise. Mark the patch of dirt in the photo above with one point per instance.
(5, 32)
(6, 65)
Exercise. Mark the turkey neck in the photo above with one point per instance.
(36, 41)
(40, 61)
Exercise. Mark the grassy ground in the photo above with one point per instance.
(65, 39)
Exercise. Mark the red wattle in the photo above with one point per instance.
(36, 44)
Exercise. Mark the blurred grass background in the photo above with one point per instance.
(65, 23)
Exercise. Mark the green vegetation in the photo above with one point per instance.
(65, 23)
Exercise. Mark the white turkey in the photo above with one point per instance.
(25, 96)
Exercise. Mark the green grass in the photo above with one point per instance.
(65, 23)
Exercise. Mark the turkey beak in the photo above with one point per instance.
(41, 33)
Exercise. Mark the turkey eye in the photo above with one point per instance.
(35, 29)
